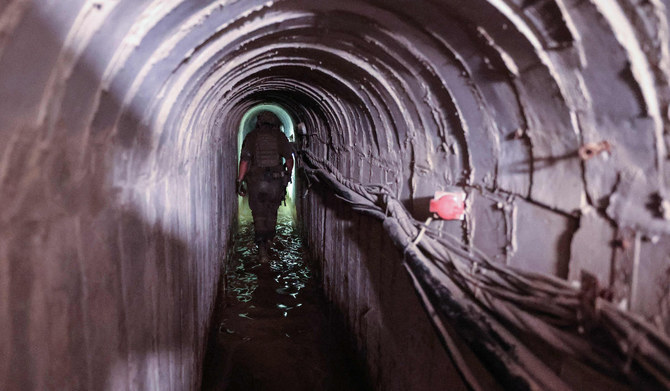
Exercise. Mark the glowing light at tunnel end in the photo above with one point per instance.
(247, 124)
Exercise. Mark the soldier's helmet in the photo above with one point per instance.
(267, 118)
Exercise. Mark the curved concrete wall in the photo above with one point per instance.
(118, 122)
(114, 218)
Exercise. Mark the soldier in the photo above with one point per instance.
(266, 163)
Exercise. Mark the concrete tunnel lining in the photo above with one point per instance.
(110, 110)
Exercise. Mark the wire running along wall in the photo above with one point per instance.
(488, 301)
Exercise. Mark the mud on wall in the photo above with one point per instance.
(117, 126)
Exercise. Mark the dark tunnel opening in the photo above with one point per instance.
(119, 127)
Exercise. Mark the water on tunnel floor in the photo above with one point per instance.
(272, 330)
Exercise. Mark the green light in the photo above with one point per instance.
(247, 124)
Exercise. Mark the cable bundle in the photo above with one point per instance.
(481, 301)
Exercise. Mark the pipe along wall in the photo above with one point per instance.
(118, 132)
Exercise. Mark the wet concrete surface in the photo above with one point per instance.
(272, 328)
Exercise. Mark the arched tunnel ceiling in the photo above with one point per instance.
(563, 105)
(505, 91)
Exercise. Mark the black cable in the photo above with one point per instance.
(540, 305)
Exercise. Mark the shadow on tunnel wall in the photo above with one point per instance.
(371, 297)
(107, 276)
(539, 163)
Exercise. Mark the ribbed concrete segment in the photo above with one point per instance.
(119, 123)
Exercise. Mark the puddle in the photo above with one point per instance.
(272, 330)
(287, 265)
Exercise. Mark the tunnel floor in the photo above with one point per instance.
(272, 330)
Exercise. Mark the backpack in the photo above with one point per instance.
(266, 151)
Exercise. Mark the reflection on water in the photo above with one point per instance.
(272, 330)
(287, 264)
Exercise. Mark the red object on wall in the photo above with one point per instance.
(448, 205)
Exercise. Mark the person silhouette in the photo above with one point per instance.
(266, 163)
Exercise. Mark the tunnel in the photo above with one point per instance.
(119, 137)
